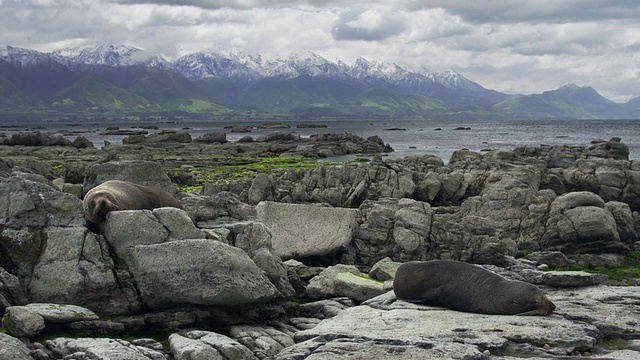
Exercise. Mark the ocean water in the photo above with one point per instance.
(407, 137)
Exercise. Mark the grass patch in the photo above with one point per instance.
(625, 275)
(231, 169)
(362, 276)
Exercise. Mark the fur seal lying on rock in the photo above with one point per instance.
(116, 195)
(470, 288)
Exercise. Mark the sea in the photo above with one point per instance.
(406, 137)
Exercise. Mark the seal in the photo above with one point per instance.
(113, 195)
(470, 288)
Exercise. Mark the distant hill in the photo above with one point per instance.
(569, 101)
(117, 79)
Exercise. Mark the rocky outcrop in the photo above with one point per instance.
(38, 138)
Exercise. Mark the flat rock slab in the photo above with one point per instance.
(301, 230)
(419, 329)
(57, 313)
(385, 327)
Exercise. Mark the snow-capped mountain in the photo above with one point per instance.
(241, 66)
(123, 66)
(108, 56)
(22, 57)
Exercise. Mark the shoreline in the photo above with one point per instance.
(407, 137)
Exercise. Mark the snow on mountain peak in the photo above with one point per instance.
(241, 66)
(21, 56)
(108, 55)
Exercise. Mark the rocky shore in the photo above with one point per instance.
(299, 264)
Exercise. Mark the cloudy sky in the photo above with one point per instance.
(513, 46)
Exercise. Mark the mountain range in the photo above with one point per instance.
(118, 79)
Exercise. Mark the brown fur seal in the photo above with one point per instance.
(466, 287)
(115, 195)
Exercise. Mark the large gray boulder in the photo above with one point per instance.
(197, 272)
(225, 275)
(52, 253)
(306, 230)
(75, 268)
(579, 222)
(30, 204)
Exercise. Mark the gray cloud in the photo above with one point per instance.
(534, 11)
(209, 4)
(368, 25)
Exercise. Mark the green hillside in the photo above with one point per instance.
(13, 98)
(92, 94)
(384, 101)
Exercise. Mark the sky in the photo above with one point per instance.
(512, 46)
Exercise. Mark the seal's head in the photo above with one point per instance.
(524, 296)
(98, 206)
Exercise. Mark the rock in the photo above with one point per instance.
(384, 269)
(127, 228)
(206, 345)
(82, 142)
(572, 278)
(324, 309)
(255, 239)
(178, 223)
(278, 136)
(225, 276)
(306, 230)
(216, 137)
(100, 349)
(13, 349)
(261, 189)
(612, 310)
(11, 293)
(599, 260)
(22, 322)
(28, 204)
(418, 331)
(553, 259)
(59, 313)
(580, 222)
(214, 210)
(343, 280)
(36, 138)
(75, 268)
(148, 173)
(263, 341)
